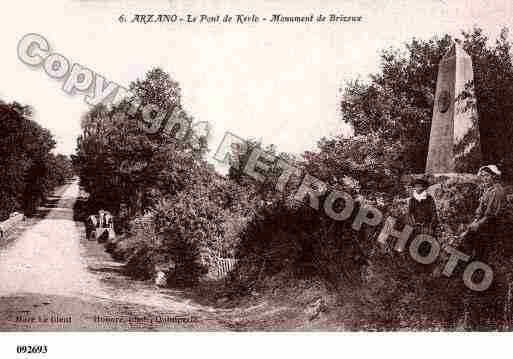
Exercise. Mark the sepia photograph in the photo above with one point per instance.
(275, 166)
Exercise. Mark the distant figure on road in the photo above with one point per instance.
(105, 226)
(91, 224)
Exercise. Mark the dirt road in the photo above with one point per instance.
(52, 278)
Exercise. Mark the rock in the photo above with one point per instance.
(161, 279)
(315, 308)
(8, 224)
(222, 300)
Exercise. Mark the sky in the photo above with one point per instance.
(280, 83)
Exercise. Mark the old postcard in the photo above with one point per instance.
(192, 166)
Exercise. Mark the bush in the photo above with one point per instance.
(140, 260)
(287, 237)
(457, 199)
(401, 293)
(388, 289)
(191, 223)
(30, 171)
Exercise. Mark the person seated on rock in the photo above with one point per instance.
(422, 214)
(487, 222)
(486, 240)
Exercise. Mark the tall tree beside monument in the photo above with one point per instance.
(396, 103)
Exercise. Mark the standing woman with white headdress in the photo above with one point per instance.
(489, 213)
(484, 240)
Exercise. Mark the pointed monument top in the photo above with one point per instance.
(454, 136)
(456, 50)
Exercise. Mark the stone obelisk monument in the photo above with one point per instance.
(454, 130)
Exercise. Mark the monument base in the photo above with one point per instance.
(437, 180)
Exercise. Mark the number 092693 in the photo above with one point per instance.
(31, 349)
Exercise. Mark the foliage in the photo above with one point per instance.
(132, 173)
(397, 102)
(399, 293)
(367, 164)
(199, 215)
(30, 170)
(286, 235)
(493, 88)
(457, 200)
(121, 165)
(190, 222)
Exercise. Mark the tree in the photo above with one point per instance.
(29, 168)
(120, 163)
(397, 102)
(493, 87)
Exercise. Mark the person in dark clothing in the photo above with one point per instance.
(422, 214)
